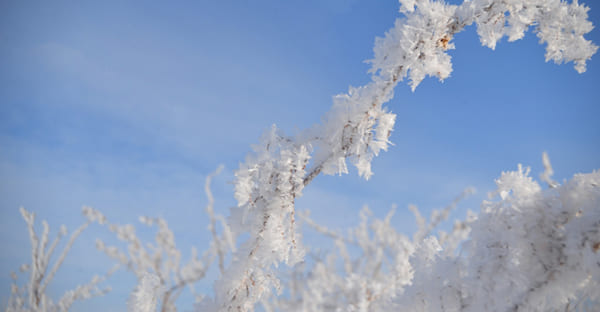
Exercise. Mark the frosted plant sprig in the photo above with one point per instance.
(86, 291)
(32, 296)
(161, 260)
(546, 176)
(368, 268)
(220, 244)
(145, 296)
(306, 219)
(266, 189)
(437, 216)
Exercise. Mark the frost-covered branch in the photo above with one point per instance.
(358, 126)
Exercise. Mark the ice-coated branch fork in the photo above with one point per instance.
(358, 126)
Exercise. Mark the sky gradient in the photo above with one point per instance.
(127, 107)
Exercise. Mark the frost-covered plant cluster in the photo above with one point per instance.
(528, 249)
(158, 267)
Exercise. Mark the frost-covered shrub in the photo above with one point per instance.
(528, 249)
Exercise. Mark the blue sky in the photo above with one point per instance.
(127, 107)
